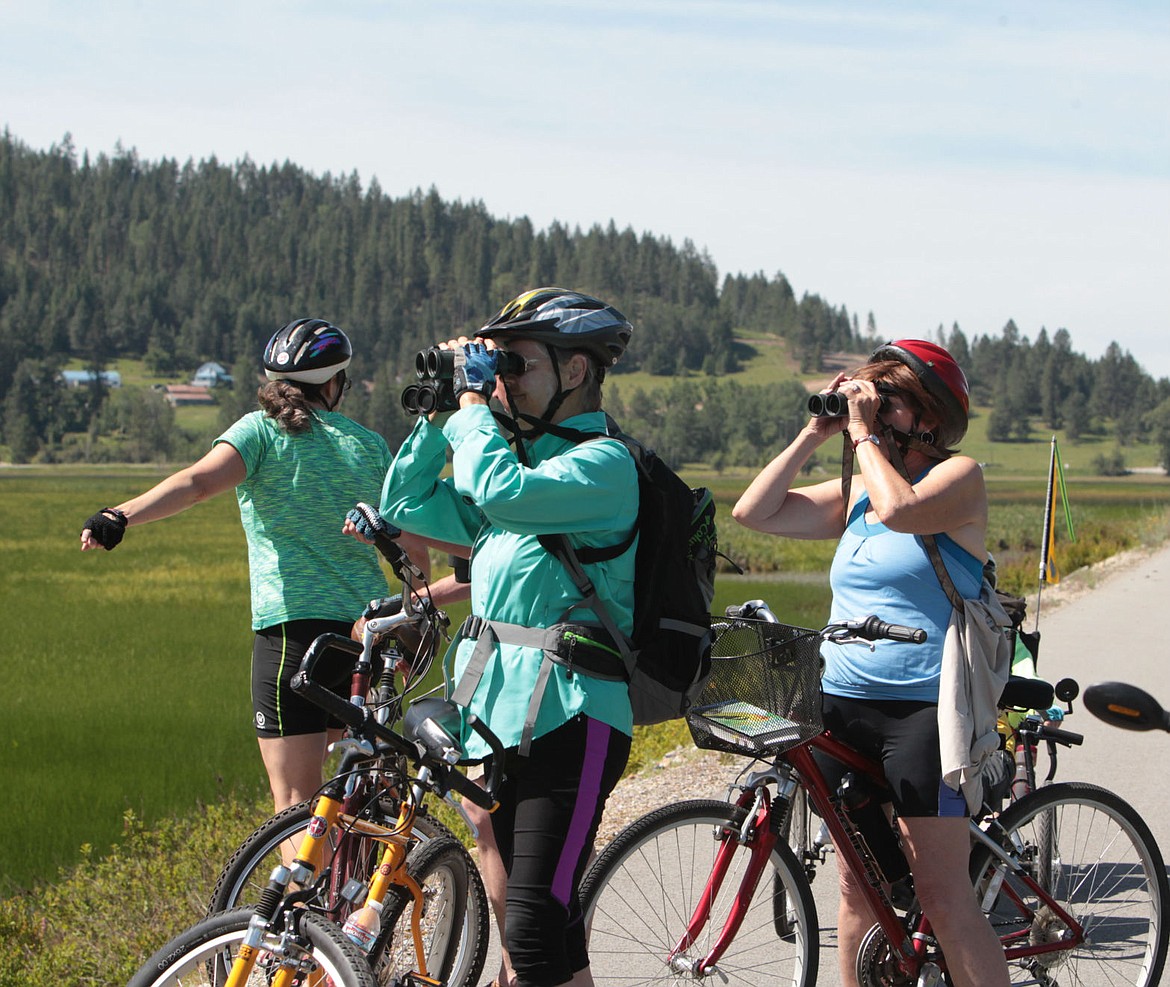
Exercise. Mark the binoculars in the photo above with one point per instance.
(834, 404)
(435, 367)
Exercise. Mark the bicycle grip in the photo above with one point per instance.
(496, 775)
(1066, 737)
(349, 714)
(897, 632)
(384, 542)
(459, 782)
(874, 629)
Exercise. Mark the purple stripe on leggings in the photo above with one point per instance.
(588, 794)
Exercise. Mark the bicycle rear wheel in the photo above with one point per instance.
(639, 896)
(1101, 865)
(202, 956)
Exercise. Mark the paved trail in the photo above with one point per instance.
(1114, 631)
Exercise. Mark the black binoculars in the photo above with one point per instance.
(435, 367)
(435, 363)
(834, 404)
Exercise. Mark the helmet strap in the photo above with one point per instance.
(332, 405)
(559, 398)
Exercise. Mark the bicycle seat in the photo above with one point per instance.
(1024, 693)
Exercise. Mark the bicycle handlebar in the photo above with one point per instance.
(868, 628)
(1066, 737)
(359, 719)
(873, 629)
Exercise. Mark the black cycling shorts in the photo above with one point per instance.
(277, 651)
(550, 807)
(903, 736)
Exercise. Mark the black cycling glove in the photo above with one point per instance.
(107, 531)
(371, 524)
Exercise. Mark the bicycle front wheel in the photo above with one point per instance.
(1095, 857)
(203, 955)
(246, 874)
(452, 937)
(640, 894)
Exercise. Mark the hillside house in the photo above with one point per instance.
(211, 374)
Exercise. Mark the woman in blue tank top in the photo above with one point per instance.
(906, 411)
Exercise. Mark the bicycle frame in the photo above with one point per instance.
(910, 947)
(329, 815)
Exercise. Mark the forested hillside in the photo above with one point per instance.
(177, 264)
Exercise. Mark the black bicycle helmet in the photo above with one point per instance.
(568, 319)
(309, 351)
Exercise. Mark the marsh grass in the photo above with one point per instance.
(126, 673)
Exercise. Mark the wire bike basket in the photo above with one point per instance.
(764, 693)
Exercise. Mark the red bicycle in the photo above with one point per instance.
(707, 889)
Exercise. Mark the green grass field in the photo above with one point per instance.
(126, 672)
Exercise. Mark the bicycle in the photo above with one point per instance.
(1023, 728)
(281, 940)
(405, 641)
(683, 894)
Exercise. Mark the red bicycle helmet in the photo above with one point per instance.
(942, 378)
(568, 319)
(310, 351)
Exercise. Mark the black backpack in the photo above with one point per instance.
(667, 660)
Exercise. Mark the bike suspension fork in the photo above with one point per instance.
(758, 836)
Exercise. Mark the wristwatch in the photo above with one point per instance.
(867, 438)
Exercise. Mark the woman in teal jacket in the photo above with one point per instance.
(567, 747)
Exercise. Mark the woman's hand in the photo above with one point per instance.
(864, 403)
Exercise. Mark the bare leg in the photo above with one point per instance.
(938, 850)
(495, 882)
(854, 919)
(294, 766)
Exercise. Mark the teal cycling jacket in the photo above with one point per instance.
(588, 491)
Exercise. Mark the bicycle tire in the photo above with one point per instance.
(202, 955)
(455, 940)
(641, 891)
(794, 830)
(246, 873)
(1104, 868)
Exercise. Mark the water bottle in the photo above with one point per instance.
(364, 925)
(1020, 785)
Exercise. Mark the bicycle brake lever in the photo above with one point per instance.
(845, 637)
(352, 743)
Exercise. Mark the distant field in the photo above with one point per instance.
(127, 672)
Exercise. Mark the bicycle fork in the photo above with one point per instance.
(307, 862)
(757, 834)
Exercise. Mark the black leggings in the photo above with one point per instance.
(550, 807)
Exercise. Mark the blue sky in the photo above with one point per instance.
(928, 162)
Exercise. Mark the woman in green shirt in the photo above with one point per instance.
(297, 466)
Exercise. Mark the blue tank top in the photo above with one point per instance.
(887, 573)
